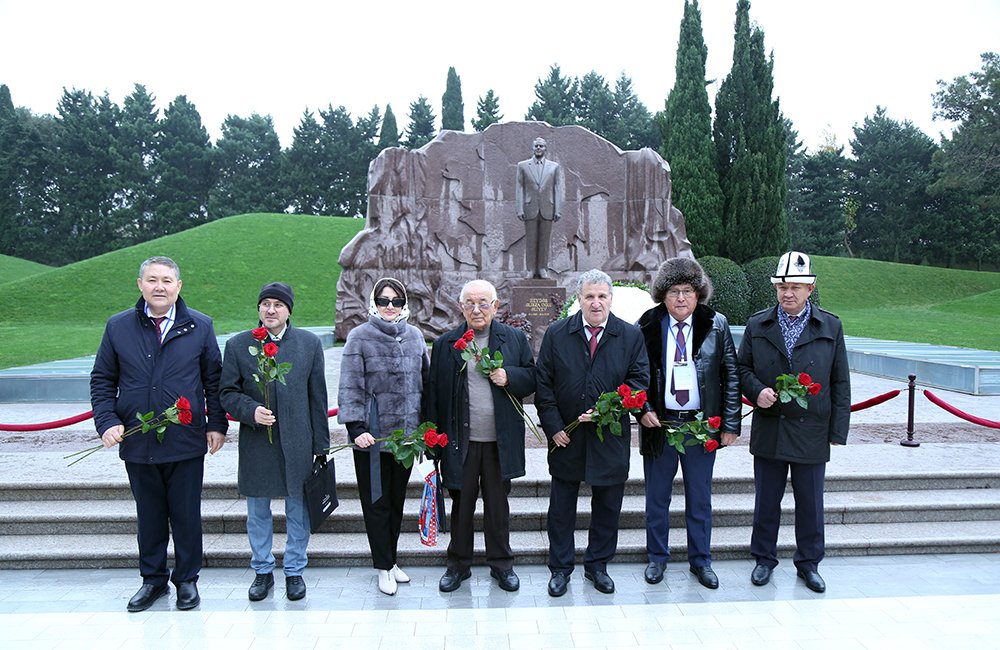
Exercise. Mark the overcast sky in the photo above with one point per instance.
(834, 61)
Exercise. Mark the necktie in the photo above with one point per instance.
(594, 332)
(681, 396)
(159, 332)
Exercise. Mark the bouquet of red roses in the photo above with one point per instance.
(789, 387)
(700, 431)
(177, 413)
(406, 449)
(485, 364)
(610, 408)
(268, 368)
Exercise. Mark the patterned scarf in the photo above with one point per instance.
(791, 328)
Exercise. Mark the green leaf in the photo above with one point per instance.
(802, 402)
(254, 351)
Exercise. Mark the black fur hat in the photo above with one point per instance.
(681, 270)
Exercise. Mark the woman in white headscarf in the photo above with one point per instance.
(381, 382)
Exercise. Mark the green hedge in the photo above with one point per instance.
(731, 288)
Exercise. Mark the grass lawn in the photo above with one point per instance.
(59, 313)
(14, 268)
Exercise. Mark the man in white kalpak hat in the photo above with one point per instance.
(800, 339)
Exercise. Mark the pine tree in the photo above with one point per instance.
(487, 111)
(137, 150)
(632, 126)
(555, 99)
(594, 105)
(388, 135)
(185, 169)
(421, 128)
(452, 107)
(304, 167)
(247, 159)
(687, 140)
(751, 150)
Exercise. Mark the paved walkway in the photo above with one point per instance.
(891, 602)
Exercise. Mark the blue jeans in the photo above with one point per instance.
(260, 530)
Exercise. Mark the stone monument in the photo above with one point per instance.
(447, 213)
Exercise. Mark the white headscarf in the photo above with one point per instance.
(404, 313)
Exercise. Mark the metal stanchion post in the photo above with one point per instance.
(909, 441)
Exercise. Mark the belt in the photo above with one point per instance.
(680, 415)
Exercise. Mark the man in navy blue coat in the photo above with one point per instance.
(583, 356)
(150, 356)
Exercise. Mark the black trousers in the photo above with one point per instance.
(602, 539)
(384, 518)
(481, 470)
(770, 477)
(168, 498)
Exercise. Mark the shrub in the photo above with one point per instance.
(731, 288)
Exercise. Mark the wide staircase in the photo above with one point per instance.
(881, 499)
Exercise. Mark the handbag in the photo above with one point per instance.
(320, 492)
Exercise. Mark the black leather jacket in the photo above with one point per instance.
(714, 356)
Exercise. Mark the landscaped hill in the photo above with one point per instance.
(14, 268)
(61, 313)
(912, 303)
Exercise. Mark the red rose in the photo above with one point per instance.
(715, 422)
(711, 445)
(624, 391)
(183, 404)
(270, 349)
(184, 417)
(461, 344)
(469, 335)
(628, 402)
(431, 437)
(805, 379)
(259, 333)
(442, 439)
(814, 389)
(640, 399)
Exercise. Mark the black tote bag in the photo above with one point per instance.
(321, 493)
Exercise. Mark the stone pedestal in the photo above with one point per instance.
(540, 301)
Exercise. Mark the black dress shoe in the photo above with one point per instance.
(761, 575)
(557, 584)
(654, 572)
(507, 580)
(813, 580)
(146, 596)
(295, 588)
(602, 581)
(187, 595)
(451, 580)
(262, 584)
(706, 576)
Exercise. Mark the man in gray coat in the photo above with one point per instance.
(300, 430)
(793, 338)
(538, 198)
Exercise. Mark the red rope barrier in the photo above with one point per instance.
(958, 413)
(76, 419)
(874, 401)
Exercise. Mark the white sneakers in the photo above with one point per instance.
(386, 583)
(388, 580)
(398, 574)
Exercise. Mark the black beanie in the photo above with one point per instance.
(278, 291)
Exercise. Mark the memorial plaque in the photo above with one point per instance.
(540, 301)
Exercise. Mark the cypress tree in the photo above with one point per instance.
(389, 134)
(751, 149)
(687, 140)
(452, 107)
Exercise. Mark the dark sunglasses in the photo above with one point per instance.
(398, 303)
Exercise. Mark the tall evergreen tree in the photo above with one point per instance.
(452, 107)
(817, 198)
(555, 99)
(136, 151)
(751, 149)
(185, 170)
(594, 105)
(487, 111)
(632, 125)
(305, 167)
(85, 177)
(389, 134)
(247, 161)
(420, 130)
(686, 127)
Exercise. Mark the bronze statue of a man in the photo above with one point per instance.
(539, 205)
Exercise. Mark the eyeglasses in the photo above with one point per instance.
(473, 306)
(276, 305)
(398, 303)
(687, 293)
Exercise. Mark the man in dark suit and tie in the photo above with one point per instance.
(539, 205)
